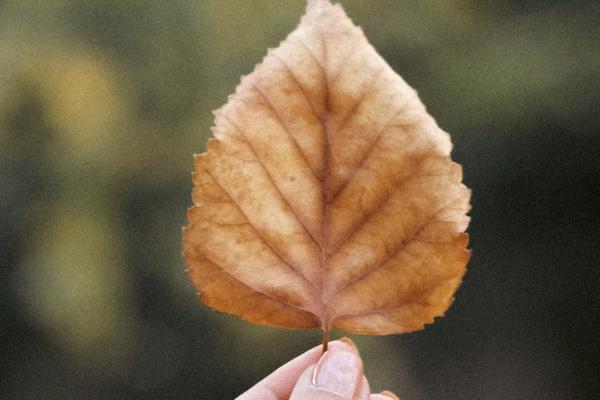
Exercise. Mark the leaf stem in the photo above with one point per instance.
(325, 338)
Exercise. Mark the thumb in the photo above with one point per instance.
(338, 375)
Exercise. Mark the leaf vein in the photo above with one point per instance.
(271, 180)
(365, 91)
(300, 86)
(366, 217)
(373, 146)
(280, 301)
(284, 126)
(398, 248)
(404, 302)
(260, 235)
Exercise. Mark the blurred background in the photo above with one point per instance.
(103, 103)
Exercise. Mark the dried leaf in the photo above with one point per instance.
(328, 197)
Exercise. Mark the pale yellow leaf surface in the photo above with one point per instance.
(327, 197)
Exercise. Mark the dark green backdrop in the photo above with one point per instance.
(103, 103)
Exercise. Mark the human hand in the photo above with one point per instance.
(335, 375)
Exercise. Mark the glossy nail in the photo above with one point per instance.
(349, 342)
(390, 395)
(338, 372)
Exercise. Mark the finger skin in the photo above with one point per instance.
(384, 396)
(305, 390)
(279, 385)
(365, 390)
(306, 387)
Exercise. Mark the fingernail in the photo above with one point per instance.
(349, 342)
(338, 372)
(390, 395)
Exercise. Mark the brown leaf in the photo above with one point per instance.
(328, 197)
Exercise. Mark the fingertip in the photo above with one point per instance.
(349, 342)
(344, 344)
(390, 395)
(339, 372)
(337, 375)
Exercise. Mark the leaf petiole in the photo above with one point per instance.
(325, 338)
